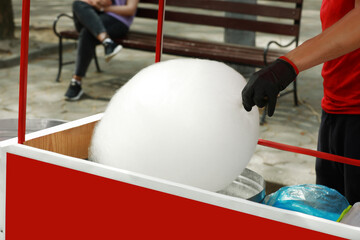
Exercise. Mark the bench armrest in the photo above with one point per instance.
(57, 20)
(278, 44)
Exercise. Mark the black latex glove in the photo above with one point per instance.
(265, 85)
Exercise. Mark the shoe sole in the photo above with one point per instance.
(116, 51)
(77, 97)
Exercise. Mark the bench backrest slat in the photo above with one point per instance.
(218, 21)
(237, 7)
(204, 1)
(269, 11)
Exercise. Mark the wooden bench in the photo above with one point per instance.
(276, 18)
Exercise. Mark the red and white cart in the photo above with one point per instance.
(48, 191)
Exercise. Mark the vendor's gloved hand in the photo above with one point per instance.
(265, 85)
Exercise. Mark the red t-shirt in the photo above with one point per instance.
(341, 75)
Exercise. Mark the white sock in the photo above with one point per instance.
(107, 41)
(75, 80)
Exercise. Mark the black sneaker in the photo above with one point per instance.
(111, 49)
(74, 91)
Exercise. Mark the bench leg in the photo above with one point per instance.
(60, 60)
(295, 94)
(97, 62)
(263, 116)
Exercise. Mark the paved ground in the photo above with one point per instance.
(291, 125)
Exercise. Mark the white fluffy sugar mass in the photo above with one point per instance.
(180, 120)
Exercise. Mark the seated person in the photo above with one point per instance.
(98, 21)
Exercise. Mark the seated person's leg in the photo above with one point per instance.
(85, 52)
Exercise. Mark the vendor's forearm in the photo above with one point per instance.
(339, 39)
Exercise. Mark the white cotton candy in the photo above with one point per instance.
(180, 120)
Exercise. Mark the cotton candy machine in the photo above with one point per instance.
(9, 127)
(249, 185)
(63, 182)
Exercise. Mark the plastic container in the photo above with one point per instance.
(352, 217)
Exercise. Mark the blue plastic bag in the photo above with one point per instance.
(312, 199)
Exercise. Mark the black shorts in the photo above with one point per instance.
(340, 134)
